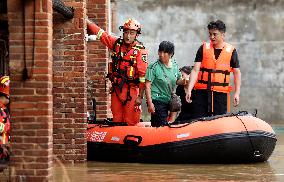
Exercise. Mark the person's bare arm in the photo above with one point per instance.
(192, 80)
(150, 104)
(237, 84)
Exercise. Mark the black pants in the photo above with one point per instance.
(200, 107)
(185, 114)
(159, 118)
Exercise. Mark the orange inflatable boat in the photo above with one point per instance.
(231, 138)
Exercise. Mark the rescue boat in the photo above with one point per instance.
(231, 138)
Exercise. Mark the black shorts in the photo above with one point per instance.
(201, 103)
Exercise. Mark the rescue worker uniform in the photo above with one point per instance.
(126, 72)
(4, 118)
(212, 88)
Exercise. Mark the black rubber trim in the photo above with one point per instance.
(59, 6)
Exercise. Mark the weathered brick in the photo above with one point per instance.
(68, 66)
(26, 104)
(72, 57)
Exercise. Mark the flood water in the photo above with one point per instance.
(270, 171)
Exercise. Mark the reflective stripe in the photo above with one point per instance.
(5, 78)
(131, 71)
(4, 138)
(142, 79)
(100, 34)
(228, 49)
(2, 127)
(207, 45)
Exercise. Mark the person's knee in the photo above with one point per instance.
(117, 117)
(132, 118)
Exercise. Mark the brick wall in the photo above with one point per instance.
(31, 100)
(98, 56)
(69, 85)
(49, 104)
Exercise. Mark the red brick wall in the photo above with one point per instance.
(69, 85)
(31, 100)
(51, 104)
(97, 11)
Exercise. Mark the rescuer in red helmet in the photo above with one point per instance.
(126, 71)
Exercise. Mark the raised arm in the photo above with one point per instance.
(103, 36)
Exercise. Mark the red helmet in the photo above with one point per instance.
(131, 24)
(5, 85)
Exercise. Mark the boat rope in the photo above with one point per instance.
(256, 153)
(210, 118)
(255, 112)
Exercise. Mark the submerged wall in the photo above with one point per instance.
(254, 27)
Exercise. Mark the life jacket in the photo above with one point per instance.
(5, 119)
(215, 74)
(123, 68)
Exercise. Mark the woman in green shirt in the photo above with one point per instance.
(158, 91)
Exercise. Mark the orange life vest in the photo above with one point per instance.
(215, 74)
(123, 68)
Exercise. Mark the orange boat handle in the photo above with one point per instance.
(132, 140)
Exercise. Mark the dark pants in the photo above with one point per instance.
(185, 114)
(159, 118)
(201, 103)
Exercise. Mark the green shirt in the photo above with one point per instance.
(160, 89)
